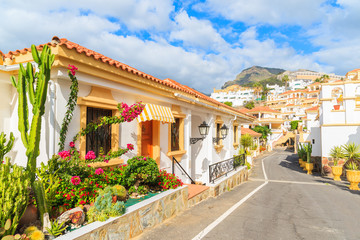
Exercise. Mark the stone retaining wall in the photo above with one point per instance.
(229, 182)
(137, 218)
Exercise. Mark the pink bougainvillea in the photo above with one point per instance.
(72, 144)
(64, 154)
(90, 155)
(72, 69)
(99, 171)
(130, 146)
(75, 180)
(130, 113)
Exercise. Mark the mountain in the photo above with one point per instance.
(254, 74)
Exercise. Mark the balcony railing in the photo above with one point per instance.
(222, 168)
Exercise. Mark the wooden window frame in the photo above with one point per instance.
(218, 145)
(177, 113)
(236, 143)
(98, 98)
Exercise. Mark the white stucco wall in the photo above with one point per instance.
(336, 136)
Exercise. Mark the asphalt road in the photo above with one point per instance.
(289, 205)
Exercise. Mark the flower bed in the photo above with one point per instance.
(137, 218)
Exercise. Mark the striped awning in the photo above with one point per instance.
(156, 112)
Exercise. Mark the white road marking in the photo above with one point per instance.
(204, 232)
(285, 181)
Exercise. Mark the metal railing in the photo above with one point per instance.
(173, 169)
(222, 168)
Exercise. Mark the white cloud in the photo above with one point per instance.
(196, 33)
(274, 12)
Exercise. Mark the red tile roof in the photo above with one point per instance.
(100, 57)
(249, 131)
(312, 109)
(259, 109)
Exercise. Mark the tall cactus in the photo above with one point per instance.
(5, 147)
(33, 86)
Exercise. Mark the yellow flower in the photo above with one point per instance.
(37, 235)
(30, 229)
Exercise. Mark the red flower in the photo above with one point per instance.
(72, 69)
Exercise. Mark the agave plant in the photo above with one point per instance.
(351, 153)
(336, 153)
(308, 150)
(301, 152)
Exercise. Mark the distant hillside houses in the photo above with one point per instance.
(302, 78)
(236, 94)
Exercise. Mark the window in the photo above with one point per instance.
(98, 99)
(175, 134)
(218, 123)
(236, 135)
(98, 141)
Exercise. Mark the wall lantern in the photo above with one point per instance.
(204, 131)
(224, 132)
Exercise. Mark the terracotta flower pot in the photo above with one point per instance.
(309, 167)
(353, 176)
(336, 107)
(336, 171)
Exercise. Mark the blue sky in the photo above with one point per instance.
(201, 44)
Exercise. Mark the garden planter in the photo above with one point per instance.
(336, 171)
(336, 107)
(30, 215)
(353, 176)
(300, 161)
(309, 167)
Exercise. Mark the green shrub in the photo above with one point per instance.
(141, 171)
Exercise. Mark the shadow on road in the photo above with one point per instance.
(292, 162)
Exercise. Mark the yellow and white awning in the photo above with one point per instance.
(156, 112)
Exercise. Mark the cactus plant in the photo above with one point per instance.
(33, 86)
(14, 194)
(5, 148)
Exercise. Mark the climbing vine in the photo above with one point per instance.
(127, 114)
(74, 89)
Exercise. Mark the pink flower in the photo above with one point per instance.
(90, 155)
(72, 69)
(130, 146)
(64, 154)
(72, 144)
(99, 171)
(75, 180)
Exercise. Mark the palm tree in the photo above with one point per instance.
(285, 79)
(257, 89)
(264, 93)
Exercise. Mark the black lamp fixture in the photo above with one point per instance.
(204, 131)
(224, 132)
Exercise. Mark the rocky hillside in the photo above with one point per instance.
(254, 74)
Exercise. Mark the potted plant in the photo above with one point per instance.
(336, 153)
(301, 154)
(351, 153)
(337, 107)
(309, 166)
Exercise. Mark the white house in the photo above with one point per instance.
(103, 83)
(235, 94)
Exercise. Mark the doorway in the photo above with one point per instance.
(147, 139)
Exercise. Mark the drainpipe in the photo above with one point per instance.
(52, 89)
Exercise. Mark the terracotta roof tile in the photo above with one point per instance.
(258, 109)
(249, 131)
(312, 109)
(100, 57)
